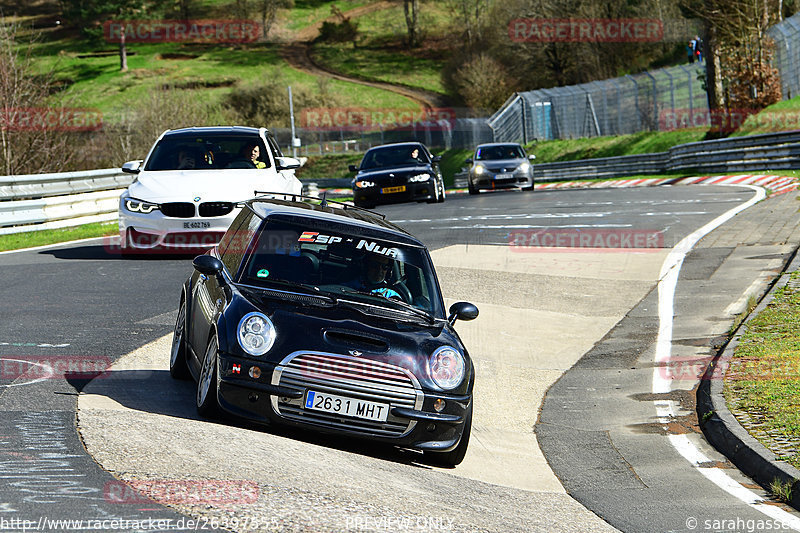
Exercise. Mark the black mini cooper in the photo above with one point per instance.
(328, 318)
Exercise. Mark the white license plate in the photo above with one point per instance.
(504, 176)
(341, 405)
(197, 225)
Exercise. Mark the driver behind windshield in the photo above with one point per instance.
(373, 277)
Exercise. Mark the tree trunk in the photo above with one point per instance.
(714, 85)
(123, 51)
(411, 8)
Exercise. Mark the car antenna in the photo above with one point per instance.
(324, 202)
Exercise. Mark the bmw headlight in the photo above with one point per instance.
(363, 184)
(256, 333)
(139, 206)
(446, 367)
(419, 178)
(479, 169)
(524, 167)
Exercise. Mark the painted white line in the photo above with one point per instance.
(57, 244)
(665, 409)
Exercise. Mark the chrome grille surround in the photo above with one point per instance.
(354, 377)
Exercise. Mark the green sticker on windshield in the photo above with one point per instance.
(263, 273)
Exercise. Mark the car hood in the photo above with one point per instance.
(343, 331)
(493, 164)
(384, 171)
(208, 185)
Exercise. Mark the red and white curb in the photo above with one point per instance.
(776, 184)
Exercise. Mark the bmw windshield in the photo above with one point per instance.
(343, 265)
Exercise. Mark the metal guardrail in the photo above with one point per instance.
(771, 151)
(47, 201)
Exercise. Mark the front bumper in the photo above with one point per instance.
(491, 181)
(157, 231)
(262, 400)
(412, 192)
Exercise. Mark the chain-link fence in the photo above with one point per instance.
(786, 35)
(442, 135)
(661, 99)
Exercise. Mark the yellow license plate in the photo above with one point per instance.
(389, 190)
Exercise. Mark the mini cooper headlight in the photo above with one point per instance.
(363, 184)
(256, 334)
(524, 167)
(139, 206)
(419, 178)
(479, 169)
(446, 367)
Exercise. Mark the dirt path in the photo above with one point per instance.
(298, 54)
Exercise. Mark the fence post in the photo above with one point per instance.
(636, 102)
(691, 95)
(655, 100)
(524, 124)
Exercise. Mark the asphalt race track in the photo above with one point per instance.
(78, 308)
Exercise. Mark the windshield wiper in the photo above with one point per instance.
(310, 291)
(397, 305)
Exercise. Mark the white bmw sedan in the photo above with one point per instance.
(185, 193)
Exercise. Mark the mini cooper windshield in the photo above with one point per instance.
(346, 266)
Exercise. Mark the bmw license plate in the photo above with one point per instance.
(196, 225)
(390, 190)
(341, 405)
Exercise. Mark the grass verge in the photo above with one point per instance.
(29, 239)
(763, 381)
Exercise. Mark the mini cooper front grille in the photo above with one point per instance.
(178, 209)
(349, 377)
(215, 209)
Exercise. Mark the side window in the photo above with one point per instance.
(240, 241)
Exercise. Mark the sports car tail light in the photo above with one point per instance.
(215, 209)
(178, 209)
(351, 377)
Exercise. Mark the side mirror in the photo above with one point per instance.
(437, 158)
(208, 265)
(468, 161)
(132, 167)
(353, 168)
(287, 163)
(531, 157)
(462, 311)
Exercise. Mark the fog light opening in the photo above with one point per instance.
(254, 372)
(438, 405)
(253, 397)
(431, 427)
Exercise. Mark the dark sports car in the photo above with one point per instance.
(401, 172)
(326, 318)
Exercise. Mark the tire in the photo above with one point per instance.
(529, 189)
(471, 187)
(456, 455)
(177, 356)
(442, 195)
(206, 399)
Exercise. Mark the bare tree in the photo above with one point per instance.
(411, 11)
(268, 9)
(32, 139)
